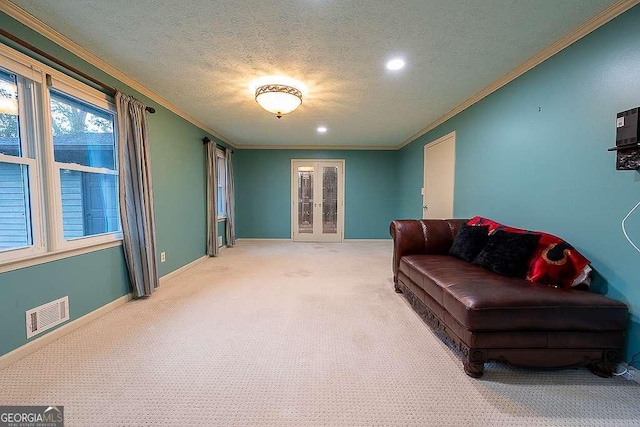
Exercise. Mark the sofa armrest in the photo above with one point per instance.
(421, 236)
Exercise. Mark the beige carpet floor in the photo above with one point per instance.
(277, 333)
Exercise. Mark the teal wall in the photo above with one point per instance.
(95, 279)
(263, 186)
(91, 281)
(550, 169)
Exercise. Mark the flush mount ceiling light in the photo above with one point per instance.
(395, 64)
(278, 99)
(279, 95)
(322, 129)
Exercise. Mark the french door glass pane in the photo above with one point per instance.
(15, 207)
(89, 203)
(9, 128)
(329, 200)
(305, 199)
(82, 134)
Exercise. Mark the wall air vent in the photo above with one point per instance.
(47, 316)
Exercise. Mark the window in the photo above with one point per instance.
(221, 166)
(58, 149)
(84, 149)
(19, 216)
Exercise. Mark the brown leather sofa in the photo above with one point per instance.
(495, 318)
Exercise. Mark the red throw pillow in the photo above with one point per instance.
(554, 262)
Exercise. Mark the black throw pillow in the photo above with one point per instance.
(469, 241)
(508, 254)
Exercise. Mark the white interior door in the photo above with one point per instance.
(439, 178)
(317, 200)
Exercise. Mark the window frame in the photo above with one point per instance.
(27, 124)
(220, 154)
(48, 242)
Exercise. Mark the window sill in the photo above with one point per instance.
(55, 256)
(222, 219)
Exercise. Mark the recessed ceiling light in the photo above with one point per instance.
(395, 64)
(322, 129)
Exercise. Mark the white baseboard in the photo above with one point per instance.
(369, 240)
(183, 268)
(38, 343)
(251, 239)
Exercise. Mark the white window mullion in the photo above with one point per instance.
(32, 142)
(18, 160)
(50, 176)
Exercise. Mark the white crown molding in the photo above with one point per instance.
(568, 39)
(35, 24)
(319, 147)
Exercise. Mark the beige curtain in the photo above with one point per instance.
(136, 195)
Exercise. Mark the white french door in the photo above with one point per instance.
(317, 211)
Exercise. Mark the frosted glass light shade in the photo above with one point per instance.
(278, 99)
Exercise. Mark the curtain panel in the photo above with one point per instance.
(136, 195)
(212, 200)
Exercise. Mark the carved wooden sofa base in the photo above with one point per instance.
(601, 362)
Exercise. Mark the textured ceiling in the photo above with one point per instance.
(201, 55)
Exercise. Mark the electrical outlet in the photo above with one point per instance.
(163, 256)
